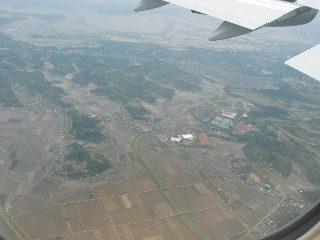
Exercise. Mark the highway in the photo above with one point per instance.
(4, 232)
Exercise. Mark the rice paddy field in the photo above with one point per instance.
(175, 199)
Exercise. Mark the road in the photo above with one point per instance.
(4, 232)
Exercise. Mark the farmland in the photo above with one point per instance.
(122, 209)
(31, 140)
(85, 134)
(109, 205)
(175, 200)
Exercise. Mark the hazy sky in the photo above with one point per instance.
(107, 6)
(125, 7)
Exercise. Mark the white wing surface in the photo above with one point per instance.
(251, 14)
(307, 62)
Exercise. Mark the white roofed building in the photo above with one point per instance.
(173, 139)
(188, 137)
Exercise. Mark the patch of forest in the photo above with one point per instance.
(264, 147)
(313, 195)
(7, 96)
(21, 65)
(80, 162)
(85, 128)
(35, 83)
(288, 93)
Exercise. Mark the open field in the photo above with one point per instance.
(180, 191)
(155, 190)
(249, 204)
(192, 201)
(77, 210)
(34, 140)
(218, 222)
(116, 211)
(189, 192)
(29, 143)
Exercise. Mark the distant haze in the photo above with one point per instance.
(125, 8)
(102, 6)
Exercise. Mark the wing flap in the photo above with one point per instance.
(250, 14)
(228, 30)
(307, 62)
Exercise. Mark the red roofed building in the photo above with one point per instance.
(241, 128)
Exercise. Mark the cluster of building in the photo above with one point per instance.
(226, 119)
(186, 138)
(293, 205)
(242, 128)
(229, 114)
(230, 117)
(222, 122)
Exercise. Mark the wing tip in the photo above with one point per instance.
(149, 4)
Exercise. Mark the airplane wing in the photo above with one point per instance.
(251, 14)
(307, 62)
(244, 16)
